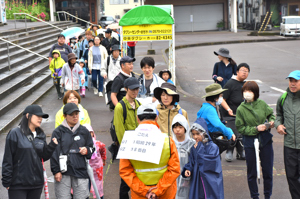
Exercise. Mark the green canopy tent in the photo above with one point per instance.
(148, 23)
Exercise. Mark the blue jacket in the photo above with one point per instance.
(206, 168)
(220, 69)
(214, 124)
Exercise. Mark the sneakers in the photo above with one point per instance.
(241, 156)
(95, 91)
(229, 156)
(100, 94)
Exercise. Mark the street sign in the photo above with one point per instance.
(147, 32)
(142, 145)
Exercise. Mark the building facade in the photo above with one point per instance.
(196, 15)
(117, 8)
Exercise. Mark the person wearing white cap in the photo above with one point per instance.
(149, 180)
(287, 124)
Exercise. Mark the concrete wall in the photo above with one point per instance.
(192, 2)
(118, 9)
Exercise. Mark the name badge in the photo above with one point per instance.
(182, 155)
(77, 138)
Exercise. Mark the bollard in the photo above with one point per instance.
(8, 57)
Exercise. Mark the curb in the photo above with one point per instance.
(218, 43)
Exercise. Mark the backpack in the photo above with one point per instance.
(282, 98)
(112, 126)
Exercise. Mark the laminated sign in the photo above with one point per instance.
(143, 146)
(147, 32)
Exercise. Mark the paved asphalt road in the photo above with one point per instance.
(270, 63)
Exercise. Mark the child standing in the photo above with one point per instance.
(83, 86)
(56, 68)
(204, 165)
(97, 162)
(180, 130)
(166, 75)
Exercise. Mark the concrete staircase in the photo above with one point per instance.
(29, 78)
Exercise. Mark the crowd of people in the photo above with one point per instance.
(232, 116)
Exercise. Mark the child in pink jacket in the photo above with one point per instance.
(97, 162)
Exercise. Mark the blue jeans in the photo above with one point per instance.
(266, 155)
(95, 75)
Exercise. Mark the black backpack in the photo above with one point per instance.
(112, 126)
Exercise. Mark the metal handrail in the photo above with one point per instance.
(9, 42)
(34, 18)
(72, 16)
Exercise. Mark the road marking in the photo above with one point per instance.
(211, 80)
(278, 89)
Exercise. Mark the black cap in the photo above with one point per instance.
(115, 47)
(91, 40)
(35, 110)
(127, 59)
(69, 108)
(61, 35)
(108, 30)
(131, 83)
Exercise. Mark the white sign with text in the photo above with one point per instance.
(142, 145)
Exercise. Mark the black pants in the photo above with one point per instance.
(25, 193)
(124, 189)
(266, 155)
(131, 52)
(292, 169)
(57, 86)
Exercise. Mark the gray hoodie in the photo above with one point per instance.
(183, 148)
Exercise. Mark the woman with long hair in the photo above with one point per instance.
(25, 149)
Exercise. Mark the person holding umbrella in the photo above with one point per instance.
(254, 118)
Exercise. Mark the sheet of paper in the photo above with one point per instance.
(142, 145)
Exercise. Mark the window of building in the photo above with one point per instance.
(135, 1)
(118, 1)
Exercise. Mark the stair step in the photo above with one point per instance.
(25, 58)
(30, 42)
(14, 72)
(22, 80)
(8, 119)
(13, 99)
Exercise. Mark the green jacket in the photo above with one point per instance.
(130, 122)
(250, 115)
(289, 116)
(56, 65)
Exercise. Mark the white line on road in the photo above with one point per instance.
(278, 89)
(204, 81)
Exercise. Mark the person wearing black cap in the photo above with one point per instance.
(25, 149)
(109, 41)
(85, 56)
(62, 47)
(117, 88)
(224, 69)
(75, 146)
(131, 104)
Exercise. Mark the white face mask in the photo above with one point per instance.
(220, 100)
(249, 96)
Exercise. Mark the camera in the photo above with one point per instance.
(63, 163)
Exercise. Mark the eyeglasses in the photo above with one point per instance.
(244, 71)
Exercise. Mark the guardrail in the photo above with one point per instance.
(8, 56)
(64, 12)
(34, 18)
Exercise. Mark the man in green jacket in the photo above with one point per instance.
(131, 86)
(288, 124)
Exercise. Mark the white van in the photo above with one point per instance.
(290, 25)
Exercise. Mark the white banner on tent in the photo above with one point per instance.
(142, 146)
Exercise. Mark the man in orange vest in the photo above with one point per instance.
(149, 180)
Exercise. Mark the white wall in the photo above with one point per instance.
(118, 9)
